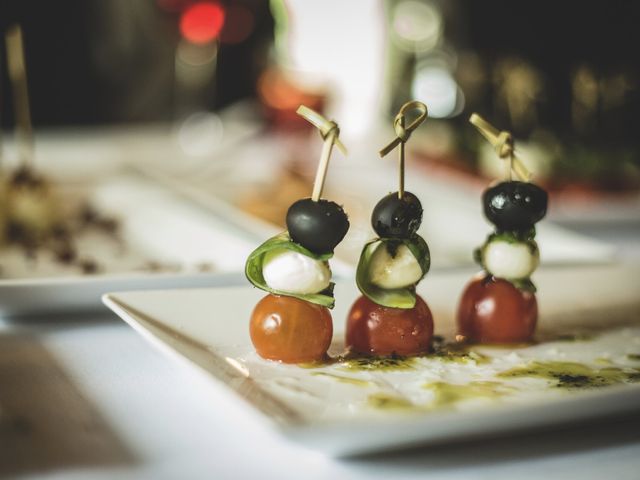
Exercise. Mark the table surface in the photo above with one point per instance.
(86, 397)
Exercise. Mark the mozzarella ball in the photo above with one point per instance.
(510, 260)
(292, 272)
(390, 272)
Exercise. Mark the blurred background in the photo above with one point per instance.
(201, 97)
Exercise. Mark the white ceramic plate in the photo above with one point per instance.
(330, 407)
(155, 225)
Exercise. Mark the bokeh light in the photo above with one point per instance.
(416, 26)
(437, 88)
(202, 22)
(200, 133)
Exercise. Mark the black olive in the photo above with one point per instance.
(393, 217)
(514, 206)
(317, 226)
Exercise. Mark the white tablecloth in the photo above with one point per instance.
(88, 398)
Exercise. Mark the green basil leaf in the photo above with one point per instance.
(512, 236)
(420, 250)
(397, 297)
(253, 269)
(524, 284)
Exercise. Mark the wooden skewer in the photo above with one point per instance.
(329, 131)
(18, 77)
(502, 142)
(403, 133)
(401, 166)
(323, 166)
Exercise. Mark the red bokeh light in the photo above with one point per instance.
(202, 22)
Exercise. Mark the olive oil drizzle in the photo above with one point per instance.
(445, 395)
(384, 401)
(565, 375)
(386, 364)
(573, 375)
(449, 394)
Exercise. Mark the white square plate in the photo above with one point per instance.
(345, 410)
(155, 226)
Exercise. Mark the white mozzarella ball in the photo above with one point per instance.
(389, 272)
(293, 272)
(510, 260)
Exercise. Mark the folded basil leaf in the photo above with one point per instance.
(404, 297)
(513, 236)
(253, 269)
(524, 284)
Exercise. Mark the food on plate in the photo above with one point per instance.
(389, 318)
(29, 206)
(320, 224)
(43, 230)
(292, 324)
(499, 305)
(379, 330)
(33, 217)
(290, 330)
(494, 310)
(31, 209)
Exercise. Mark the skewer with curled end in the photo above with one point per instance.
(399, 214)
(499, 305)
(403, 133)
(292, 323)
(502, 142)
(390, 318)
(316, 223)
(511, 205)
(31, 206)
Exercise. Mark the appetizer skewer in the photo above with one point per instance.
(499, 305)
(31, 206)
(33, 215)
(292, 323)
(389, 318)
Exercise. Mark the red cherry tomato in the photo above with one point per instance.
(376, 330)
(492, 310)
(290, 330)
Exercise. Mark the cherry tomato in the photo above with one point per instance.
(290, 330)
(376, 330)
(492, 310)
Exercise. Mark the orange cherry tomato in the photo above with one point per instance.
(376, 330)
(492, 310)
(290, 330)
